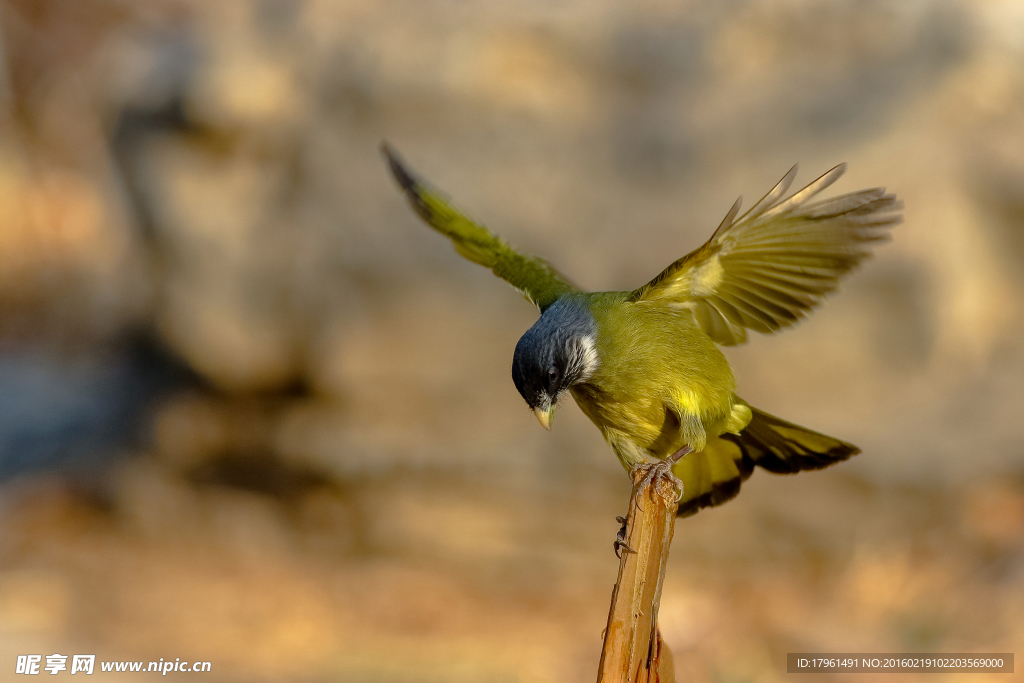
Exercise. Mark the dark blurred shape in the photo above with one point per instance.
(260, 474)
(78, 411)
(134, 125)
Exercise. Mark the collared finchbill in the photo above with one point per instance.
(644, 365)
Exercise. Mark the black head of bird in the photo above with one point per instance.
(558, 352)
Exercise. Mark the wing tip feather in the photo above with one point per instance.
(403, 176)
(730, 217)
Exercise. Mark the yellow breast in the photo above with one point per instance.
(662, 383)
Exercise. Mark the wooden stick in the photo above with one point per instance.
(633, 650)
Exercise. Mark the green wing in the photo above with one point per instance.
(533, 277)
(769, 268)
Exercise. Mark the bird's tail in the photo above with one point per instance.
(714, 475)
(785, 448)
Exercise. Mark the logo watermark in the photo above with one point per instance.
(900, 662)
(32, 665)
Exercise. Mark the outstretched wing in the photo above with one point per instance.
(538, 281)
(770, 267)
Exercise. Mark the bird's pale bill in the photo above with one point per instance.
(544, 416)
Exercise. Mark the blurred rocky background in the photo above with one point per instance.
(253, 412)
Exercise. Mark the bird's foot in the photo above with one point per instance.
(662, 470)
(620, 539)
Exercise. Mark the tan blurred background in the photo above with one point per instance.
(253, 412)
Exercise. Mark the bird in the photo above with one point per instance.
(645, 365)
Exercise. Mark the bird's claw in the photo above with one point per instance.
(621, 545)
(620, 539)
(663, 470)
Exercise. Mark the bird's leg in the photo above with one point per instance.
(677, 456)
(620, 539)
(663, 468)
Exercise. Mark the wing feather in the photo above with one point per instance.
(773, 196)
(541, 284)
(803, 195)
(768, 268)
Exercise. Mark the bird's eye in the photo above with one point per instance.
(552, 374)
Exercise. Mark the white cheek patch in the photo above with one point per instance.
(585, 358)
